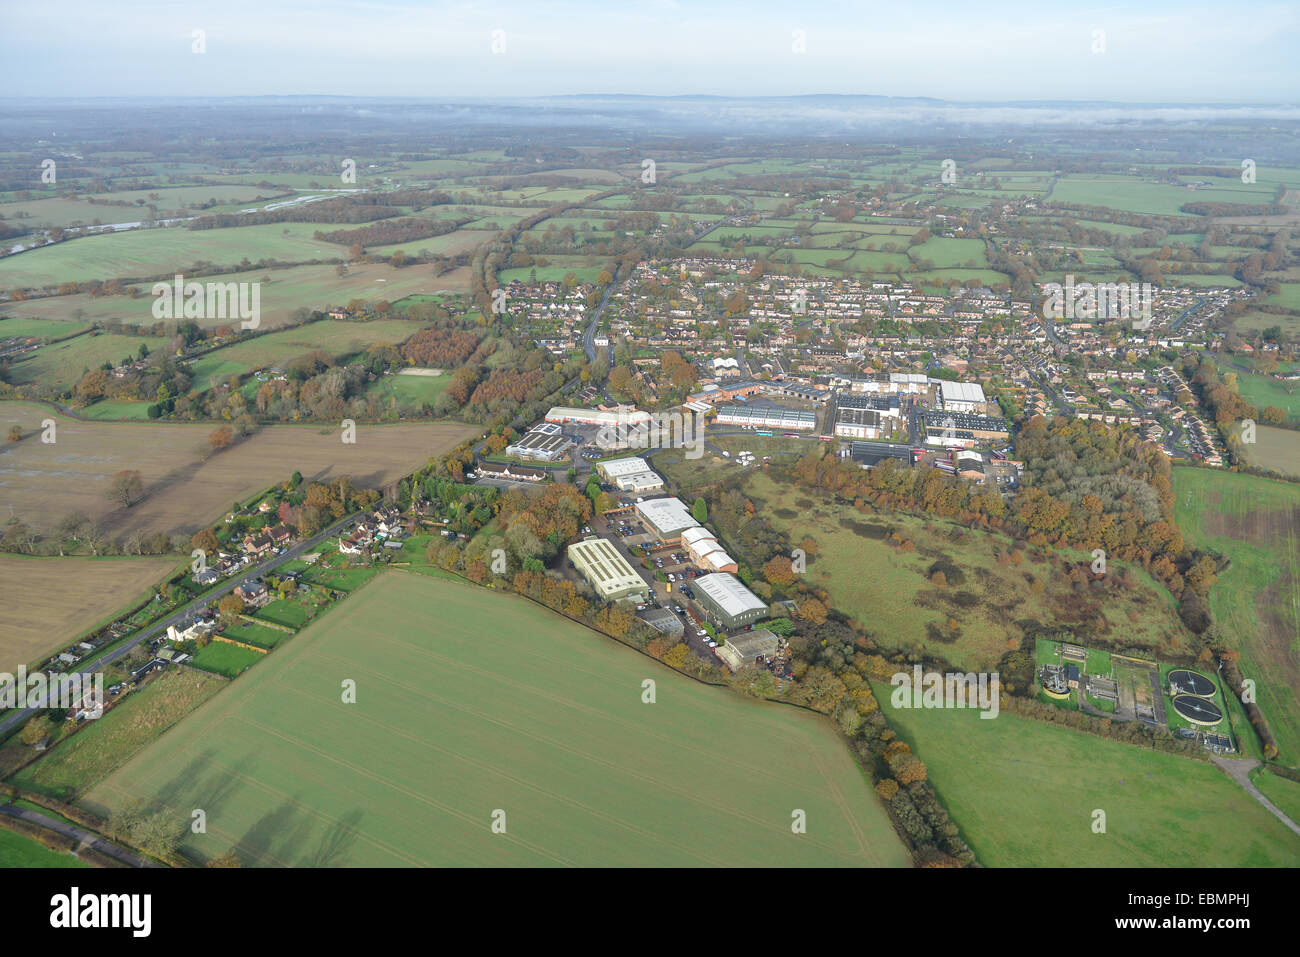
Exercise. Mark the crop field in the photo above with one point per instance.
(1256, 523)
(283, 293)
(892, 593)
(44, 482)
(41, 610)
(1024, 793)
(1275, 448)
(80, 760)
(495, 704)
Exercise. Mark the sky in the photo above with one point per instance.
(992, 50)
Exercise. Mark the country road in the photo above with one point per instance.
(186, 614)
(90, 839)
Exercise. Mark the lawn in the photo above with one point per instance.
(1024, 793)
(470, 702)
(254, 634)
(79, 761)
(287, 612)
(223, 658)
(1255, 523)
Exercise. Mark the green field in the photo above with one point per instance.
(1024, 793)
(409, 391)
(1255, 523)
(469, 702)
(1262, 391)
(19, 850)
(1283, 792)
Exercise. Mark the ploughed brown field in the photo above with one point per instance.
(48, 602)
(40, 483)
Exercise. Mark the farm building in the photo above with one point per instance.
(734, 605)
(607, 571)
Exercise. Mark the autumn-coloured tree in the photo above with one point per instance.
(206, 541)
(223, 436)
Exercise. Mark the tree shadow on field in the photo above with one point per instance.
(200, 784)
(337, 842)
(276, 836)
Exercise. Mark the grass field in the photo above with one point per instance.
(1263, 391)
(1024, 793)
(79, 761)
(154, 253)
(43, 482)
(48, 602)
(19, 850)
(1283, 792)
(1255, 522)
(62, 364)
(488, 703)
(889, 592)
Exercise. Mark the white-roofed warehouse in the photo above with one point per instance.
(667, 518)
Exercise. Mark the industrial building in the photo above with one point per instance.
(630, 474)
(544, 442)
(624, 415)
(607, 571)
(730, 602)
(666, 518)
(961, 397)
(976, 428)
(744, 650)
(769, 417)
(704, 551)
(867, 416)
(870, 454)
